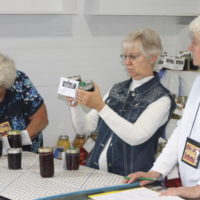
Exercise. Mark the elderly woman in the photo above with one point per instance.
(132, 115)
(183, 148)
(21, 106)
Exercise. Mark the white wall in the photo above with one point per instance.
(49, 46)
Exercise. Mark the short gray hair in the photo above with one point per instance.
(146, 40)
(195, 25)
(7, 71)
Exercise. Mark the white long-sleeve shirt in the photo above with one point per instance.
(133, 133)
(172, 153)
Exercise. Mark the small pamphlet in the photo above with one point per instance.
(67, 87)
(137, 193)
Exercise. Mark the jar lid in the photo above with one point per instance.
(81, 135)
(63, 137)
(14, 132)
(72, 150)
(14, 150)
(76, 78)
(45, 149)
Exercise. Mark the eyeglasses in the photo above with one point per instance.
(132, 57)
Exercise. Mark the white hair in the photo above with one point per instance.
(195, 25)
(7, 71)
(146, 39)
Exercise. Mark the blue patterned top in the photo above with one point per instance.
(21, 101)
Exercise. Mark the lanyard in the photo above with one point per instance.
(194, 120)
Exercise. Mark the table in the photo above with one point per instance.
(27, 184)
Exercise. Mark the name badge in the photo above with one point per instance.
(4, 128)
(191, 153)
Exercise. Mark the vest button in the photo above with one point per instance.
(109, 164)
(132, 94)
(111, 144)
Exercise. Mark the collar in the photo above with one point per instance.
(136, 83)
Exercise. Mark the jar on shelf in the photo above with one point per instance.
(79, 141)
(63, 141)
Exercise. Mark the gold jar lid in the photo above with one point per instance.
(45, 149)
(81, 135)
(14, 132)
(72, 150)
(63, 137)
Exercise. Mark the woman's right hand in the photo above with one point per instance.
(72, 102)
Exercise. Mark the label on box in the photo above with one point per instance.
(67, 87)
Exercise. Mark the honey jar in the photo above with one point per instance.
(79, 141)
(63, 141)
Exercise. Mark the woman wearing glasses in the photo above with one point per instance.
(132, 115)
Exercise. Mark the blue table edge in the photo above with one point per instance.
(96, 190)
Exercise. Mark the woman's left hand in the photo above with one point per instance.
(185, 192)
(91, 99)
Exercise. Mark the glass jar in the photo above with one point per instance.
(79, 141)
(1, 146)
(63, 141)
(46, 161)
(87, 85)
(72, 158)
(14, 158)
(15, 139)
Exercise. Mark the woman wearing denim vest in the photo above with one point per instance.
(132, 115)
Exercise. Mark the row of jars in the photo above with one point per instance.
(14, 140)
(63, 143)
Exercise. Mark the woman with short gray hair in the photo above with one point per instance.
(132, 115)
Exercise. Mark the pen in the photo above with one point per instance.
(147, 179)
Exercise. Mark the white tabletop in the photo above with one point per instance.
(27, 184)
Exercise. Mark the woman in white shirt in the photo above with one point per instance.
(183, 147)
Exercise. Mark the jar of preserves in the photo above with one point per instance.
(63, 141)
(46, 161)
(1, 146)
(72, 158)
(15, 139)
(79, 141)
(14, 158)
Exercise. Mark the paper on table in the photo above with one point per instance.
(137, 193)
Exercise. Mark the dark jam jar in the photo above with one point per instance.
(72, 158)
(15, 139)
(87, 85)
(46, 161)
(1, 146)
(14, 158)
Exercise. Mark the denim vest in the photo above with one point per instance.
(123, 158)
